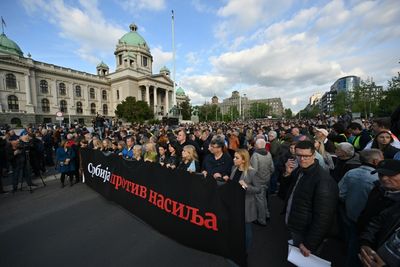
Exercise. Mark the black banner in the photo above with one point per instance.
(189, 208)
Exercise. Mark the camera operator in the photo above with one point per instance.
(21, 162)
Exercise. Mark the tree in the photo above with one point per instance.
(288, 113)
(260, 110)
(186, 110)
(366, 97)
(340, 103)
(134, 111)
(391, 97)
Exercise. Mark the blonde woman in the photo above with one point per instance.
(97, 144)
(137, 153)
(189, 160)
(320, 148)
(245, 175)
(107, 145)
(150, 151)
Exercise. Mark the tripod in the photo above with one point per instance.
(27, 170)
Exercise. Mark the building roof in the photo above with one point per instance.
(8, 46)
(164, 69)
(133, 38)
(102, 65)
(180, 91)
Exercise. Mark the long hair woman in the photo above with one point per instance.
(65, 157)
(189, 160)
(383, 141)
(245, 175)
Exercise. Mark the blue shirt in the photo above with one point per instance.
(127, 153)
(354, 189)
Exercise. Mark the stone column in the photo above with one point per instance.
(166, 108)
(148, 95)
(28, 90)
(155, 99)
(54, 94)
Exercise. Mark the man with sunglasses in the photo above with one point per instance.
(311, 200)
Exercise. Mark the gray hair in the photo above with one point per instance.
(260, 143)
(369, 155)
(273, 133)
(347, 148)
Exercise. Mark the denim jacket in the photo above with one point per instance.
(354, 189)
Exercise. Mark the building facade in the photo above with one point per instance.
(33, 92)
(243, 104)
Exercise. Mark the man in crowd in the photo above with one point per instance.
(321, 135)
(262, 162)
(218, 164)
(353, 191)
(347, 159)
(361, 136)
(311, 200)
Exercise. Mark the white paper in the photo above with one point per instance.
(295, 257)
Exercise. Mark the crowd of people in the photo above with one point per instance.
(337, 177)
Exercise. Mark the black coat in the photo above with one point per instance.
(377, 202)
(313, 205)
(381, 227)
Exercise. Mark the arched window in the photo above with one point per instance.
(104, 94)
(93, 108)
(105, 109)
(79, 109)
(92, 95)
(63, 106)
(45, 105)
(11, 81)
(78, 91)
(61, 89)
(13, 103)
(44, 87)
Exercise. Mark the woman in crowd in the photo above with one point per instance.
(383, 141)
(106, 145)
(137, 153)
(114, 147)
(327, 158)
(173, 158)
(189, 160)
(245, 175)
(120, 147)
(162, 154)
(65, 156)
(97, 144)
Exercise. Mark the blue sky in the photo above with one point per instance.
(263, 48)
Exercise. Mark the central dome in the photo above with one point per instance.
(180, 91)
(133, 38)
(8, 46)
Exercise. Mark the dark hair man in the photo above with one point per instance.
(311, 200)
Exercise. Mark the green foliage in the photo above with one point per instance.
(340, 103)
(260, 110)
(288, 114)
(186, 110)
(154, 121)
(134, 111)
(366, 98)
(309, 112)
(209, 112)
(391, 97)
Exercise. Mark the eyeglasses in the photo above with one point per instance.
(304, 156)
(215, 146)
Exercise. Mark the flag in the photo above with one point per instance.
(3, 22)
(172, 14)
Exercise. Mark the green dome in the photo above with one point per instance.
(180, 91)
(163, 69)
(132, 37)
(102, 65)
(8, 46)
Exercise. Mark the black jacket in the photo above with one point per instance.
(381, 227)
(376, 203)
(313, 205)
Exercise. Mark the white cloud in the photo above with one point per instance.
(84, 25)
(134, 5)
(161, 58)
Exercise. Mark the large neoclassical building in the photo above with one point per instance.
(33, 92)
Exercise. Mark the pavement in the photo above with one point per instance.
(75, 226)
